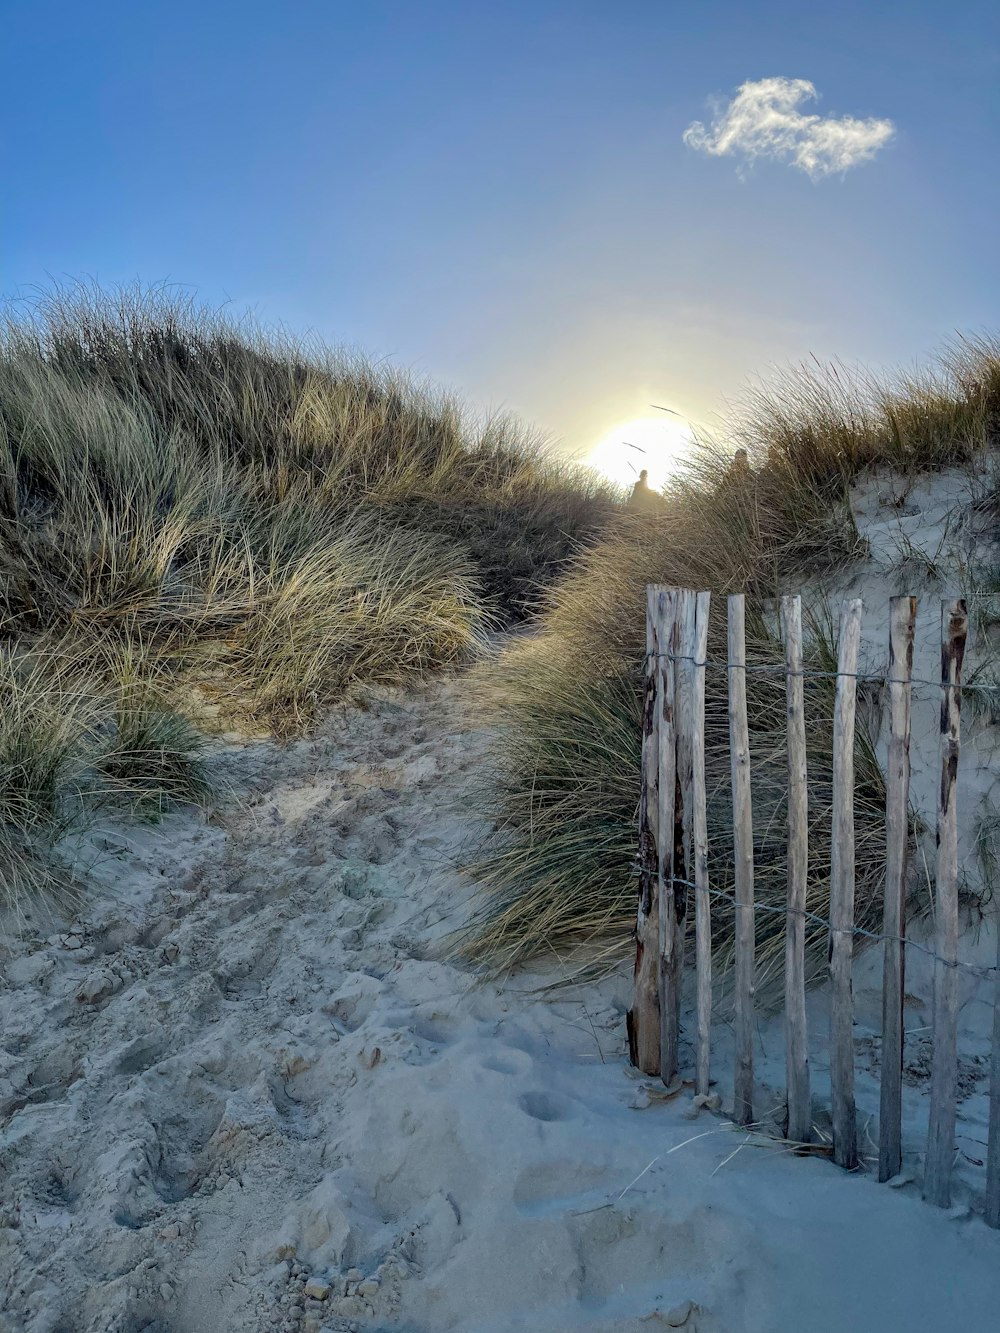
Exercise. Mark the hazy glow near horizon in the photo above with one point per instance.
(655, 443)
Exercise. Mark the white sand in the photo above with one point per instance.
(246, 1057)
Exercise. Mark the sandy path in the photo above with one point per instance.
(246, 1070)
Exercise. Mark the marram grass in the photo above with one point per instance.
(559, 871)
(72, 746)
(195, 511)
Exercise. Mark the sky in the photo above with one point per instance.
(565, 210)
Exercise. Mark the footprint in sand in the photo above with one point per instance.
(510, 1062)
(546, 1106)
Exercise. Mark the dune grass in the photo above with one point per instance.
(42, 770)
(148, 756)
(114, 531)
(286, 421)
(72, 747)
(201, 517)
(559, 871)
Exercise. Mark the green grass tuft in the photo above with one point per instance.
(153, 758)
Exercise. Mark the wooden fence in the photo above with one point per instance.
(674, 863)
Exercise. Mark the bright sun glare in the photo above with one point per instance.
(654, 443)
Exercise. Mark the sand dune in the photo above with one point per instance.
(243, 1092)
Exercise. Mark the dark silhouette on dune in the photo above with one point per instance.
(644, 500)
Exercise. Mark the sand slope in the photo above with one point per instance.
(245, 1070)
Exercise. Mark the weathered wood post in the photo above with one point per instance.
(702, 900)
(845, 1150)
(671, 923)
(643, 1020)
(902, 616)
(799, 1120)
(684, 710)
(739, 745)
(944, 1058)
(992, 1213)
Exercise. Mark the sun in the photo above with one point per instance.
(653, 443)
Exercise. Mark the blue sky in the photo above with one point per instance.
(499, 194)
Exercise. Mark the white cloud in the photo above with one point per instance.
(764, 120)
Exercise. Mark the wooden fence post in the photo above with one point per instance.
(944, 1059)
(671, 934)
(739, 745)
(684, 686)
(702, 900)
(799, 1120)
(902, 616)
(992, 1214)
(845, 1151)
(643, 1021)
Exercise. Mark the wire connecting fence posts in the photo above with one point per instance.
(674, 857)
